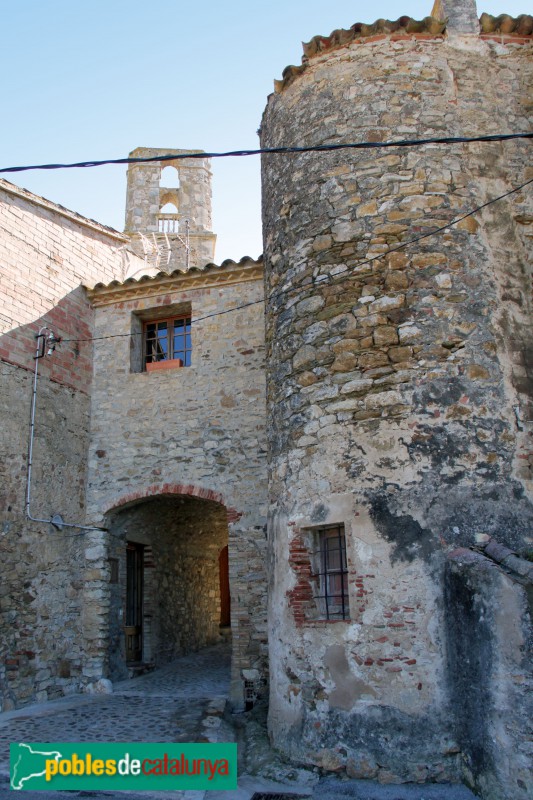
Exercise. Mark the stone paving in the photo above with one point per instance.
(181, 702)
(169, 705)
(185, 702)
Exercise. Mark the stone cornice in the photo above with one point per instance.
(180, 161)
(228, 273)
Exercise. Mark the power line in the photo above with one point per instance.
(498, 137)
(400, 246)
(440, 229)
(194, 320)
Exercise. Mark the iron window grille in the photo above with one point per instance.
(332, 574)
(168, 340)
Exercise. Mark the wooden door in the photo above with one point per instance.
(134, 601)
(225, 604)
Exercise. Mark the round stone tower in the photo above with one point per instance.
(399, 388)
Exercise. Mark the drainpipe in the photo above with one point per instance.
(45, 346)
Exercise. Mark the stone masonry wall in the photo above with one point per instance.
(41, 642)
(399, 386)
(489, 654)
(191, 431)
(48, 251)
(45, 253)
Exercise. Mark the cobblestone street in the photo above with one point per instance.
(182, 702)
(185, 702)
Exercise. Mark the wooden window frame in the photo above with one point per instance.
(167, 360)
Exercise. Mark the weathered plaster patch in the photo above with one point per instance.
(348, 688)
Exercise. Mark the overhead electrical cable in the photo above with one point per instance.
(400, 246)
(497, 137)
(193, 321)
(440, 229)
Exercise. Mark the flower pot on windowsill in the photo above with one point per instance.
(174, 363)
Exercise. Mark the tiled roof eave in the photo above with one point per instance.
(229, 272)
(506, 25)
(519, 28)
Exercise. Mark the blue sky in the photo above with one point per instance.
(95, 80)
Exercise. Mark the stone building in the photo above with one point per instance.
(399, 403)
(47, 255)
(393, 461)
(148, 444)
(177, 463)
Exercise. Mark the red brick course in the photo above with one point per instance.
(165, 489)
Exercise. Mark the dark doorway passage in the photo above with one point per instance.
(225, 602)
(173, 593)
(134, 602)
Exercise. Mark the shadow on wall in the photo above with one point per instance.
(41, 574)
(488, 634)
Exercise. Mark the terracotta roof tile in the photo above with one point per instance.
(245, 261)
(339, 38)
(506, 25)
(342, 37)
(521, 26)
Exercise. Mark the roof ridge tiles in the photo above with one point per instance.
(504, 24)
(341, 37)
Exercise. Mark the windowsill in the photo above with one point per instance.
(156, 366)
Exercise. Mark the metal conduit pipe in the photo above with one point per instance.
(40, 352)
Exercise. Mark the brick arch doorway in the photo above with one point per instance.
(168, 595)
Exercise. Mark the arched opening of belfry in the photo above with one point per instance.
(170, 592)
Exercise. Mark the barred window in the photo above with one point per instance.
(332, 572)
